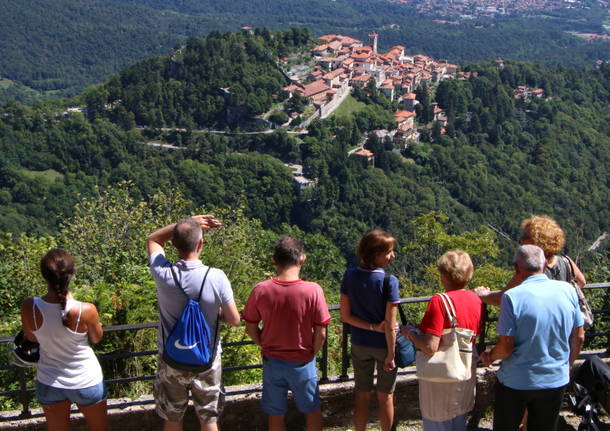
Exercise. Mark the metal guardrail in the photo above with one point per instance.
(25, 393)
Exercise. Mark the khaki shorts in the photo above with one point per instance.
(364, 360)
(171, 391)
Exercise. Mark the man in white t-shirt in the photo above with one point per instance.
(172, 385)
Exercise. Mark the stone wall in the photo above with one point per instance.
(330, 107)
(242, 412)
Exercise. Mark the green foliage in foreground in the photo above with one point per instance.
(431, 240)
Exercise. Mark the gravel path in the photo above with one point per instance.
(568, 422)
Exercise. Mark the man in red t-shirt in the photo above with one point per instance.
(294, 315)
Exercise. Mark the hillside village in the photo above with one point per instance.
(343, 63)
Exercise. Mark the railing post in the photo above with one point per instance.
(345, 358)
(324, 365)
(483, 336)
(25, 398)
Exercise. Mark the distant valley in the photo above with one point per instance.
(56, 49)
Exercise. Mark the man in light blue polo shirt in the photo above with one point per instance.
(541, 333)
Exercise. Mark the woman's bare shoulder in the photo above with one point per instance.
(89, 312)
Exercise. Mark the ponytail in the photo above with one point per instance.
(57, 268)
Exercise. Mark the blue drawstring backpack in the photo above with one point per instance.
(188, 346)
(404, 352)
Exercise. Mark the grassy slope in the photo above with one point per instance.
(348, 107)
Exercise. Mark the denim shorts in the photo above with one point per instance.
(300, 377)
(48, 395)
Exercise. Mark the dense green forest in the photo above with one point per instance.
(500, 160)
(208, 83)
(56, 49)
(59, 47)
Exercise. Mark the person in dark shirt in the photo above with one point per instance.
(368, 304)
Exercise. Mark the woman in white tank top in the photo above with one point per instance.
(68, 370)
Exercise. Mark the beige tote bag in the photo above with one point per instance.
(453, 360)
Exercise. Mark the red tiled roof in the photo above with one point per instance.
(346, 40)
(364, 153)
(360, 57)
(363, 49)
(401, 115)
(292, 87)
(328, 37)
(363, 78)
(333, 74)
(315, 87)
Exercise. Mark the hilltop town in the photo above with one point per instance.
(344, 63)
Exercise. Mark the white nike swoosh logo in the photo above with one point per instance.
(177, 345)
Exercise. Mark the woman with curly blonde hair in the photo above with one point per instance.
(544, 232)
